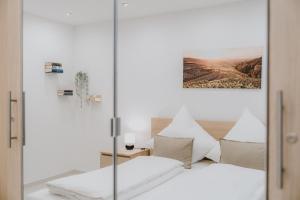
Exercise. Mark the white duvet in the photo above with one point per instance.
(216, 182)
(213, 182)
(134, 177)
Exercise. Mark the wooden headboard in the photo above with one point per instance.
(217, 129)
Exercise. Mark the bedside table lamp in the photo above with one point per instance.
(129, 141)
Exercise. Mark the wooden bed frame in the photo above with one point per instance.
(217, 129)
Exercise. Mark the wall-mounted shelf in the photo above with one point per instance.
(94, 98)
(64, 92)
(53, 68)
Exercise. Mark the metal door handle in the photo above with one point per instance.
(23, 119)
(10, 137)
(115, 127)
(280, 130)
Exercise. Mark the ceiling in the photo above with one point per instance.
(89, 11)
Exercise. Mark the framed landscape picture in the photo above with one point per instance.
(223, 68)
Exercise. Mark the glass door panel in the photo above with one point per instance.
(68, 80)
(188, 72)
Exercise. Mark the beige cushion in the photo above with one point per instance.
(244, 154)
(176, 148)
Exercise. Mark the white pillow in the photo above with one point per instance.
(248, 129)
(215, 153)
(184, 126)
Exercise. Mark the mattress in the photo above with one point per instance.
(44, 194)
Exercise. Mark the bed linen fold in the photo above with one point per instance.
(134, 177)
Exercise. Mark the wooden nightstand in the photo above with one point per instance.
(123, 156)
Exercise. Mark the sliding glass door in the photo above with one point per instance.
(143, 100)
(68, 81)
(192, 99)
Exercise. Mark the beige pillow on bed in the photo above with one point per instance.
(176, 148)
(244, 154)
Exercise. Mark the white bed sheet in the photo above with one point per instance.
(219, 181)
(134, 177)
(46, 195)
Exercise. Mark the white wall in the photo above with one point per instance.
(151, 63)
(47, 132)
(61, 136)
(151, 53)
(93, 53)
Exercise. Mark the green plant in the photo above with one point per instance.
(82, 86)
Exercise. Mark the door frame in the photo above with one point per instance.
(12, 63)
(268, 10)
(23, 98)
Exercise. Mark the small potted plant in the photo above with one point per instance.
(82, 86)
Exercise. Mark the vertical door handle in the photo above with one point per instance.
(112, 125)
(11, 119)
(280, 130)
(23, 119)
(115, 127)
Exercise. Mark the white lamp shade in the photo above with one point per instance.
(129, 138)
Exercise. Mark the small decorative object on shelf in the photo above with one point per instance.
(95, 98)
(82, 86)
(129, 141)
(65, 92)
(51, 67)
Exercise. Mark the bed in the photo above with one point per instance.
(206, 180)
(45, 195)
